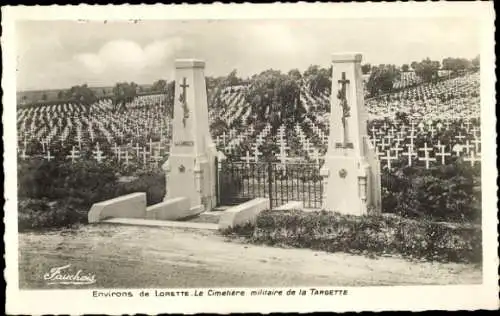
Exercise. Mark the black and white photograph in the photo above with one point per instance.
(249, 157)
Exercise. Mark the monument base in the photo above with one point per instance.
(191, 177)
(347, 182)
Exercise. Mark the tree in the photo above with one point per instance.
(365, 68)
(170, 90)
(456, 65)
(295, 74)
(382, 78)
(476, 64)
(273, 92)
(124, 92)
(232, 79)
(81, 94)
(405, 68)
(44, 97)
(427, 70)
(413, 65)
(159, 86)
(318, 79)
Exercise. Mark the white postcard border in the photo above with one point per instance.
(359, 298)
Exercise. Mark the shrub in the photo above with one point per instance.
(151, 183)
(54, 194)
(387, 234)
(41, 213)
(443, 193)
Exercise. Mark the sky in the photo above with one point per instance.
(60, 54)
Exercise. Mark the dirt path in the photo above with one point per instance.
(140, 257)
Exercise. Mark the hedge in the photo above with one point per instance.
(375, 235)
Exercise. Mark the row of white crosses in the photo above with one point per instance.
(259, 140)
(425, 99)
(391, 141)
(307, 146)
(323, 136)
(120, 154)
(60, 127)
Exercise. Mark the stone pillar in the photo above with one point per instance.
(190, 169)
(351, 170)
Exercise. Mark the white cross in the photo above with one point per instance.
(144, 155)
(115, 149)
(23, 155)
(411, 137)
(397, 149)
(390, 137)
(74, 155)
(157, 157)
(477, 142)
(137, 149)
(150, 146)
(388, 158)
(472, 158)
(432, 130)
(399, 139)
(468, 123)
(98, 154)
(426, 158)
(475, 130)
(43, 142)
(392, 130)
(467, 146)
(447, 123)
(224, 138)
(460, 136)
(442, 153)
(246, 158)
(385, 144)
(410, 153)
(49, 157)
(127, 157)
(159, 147)
(256, 154)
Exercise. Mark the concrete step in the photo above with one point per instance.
(206, 217)
(160, 223)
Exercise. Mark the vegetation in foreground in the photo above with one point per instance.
(53, 194)
(370, 235)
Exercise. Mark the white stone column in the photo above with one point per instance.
(192, 154)
(349, 163)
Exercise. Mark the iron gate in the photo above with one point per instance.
(238, 182)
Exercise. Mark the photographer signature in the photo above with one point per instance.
(61, 275)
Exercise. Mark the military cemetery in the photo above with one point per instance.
(347, 157)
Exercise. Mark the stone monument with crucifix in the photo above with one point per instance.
(351, 170)
(190, 169)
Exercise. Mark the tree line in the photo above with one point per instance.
(381, 78)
